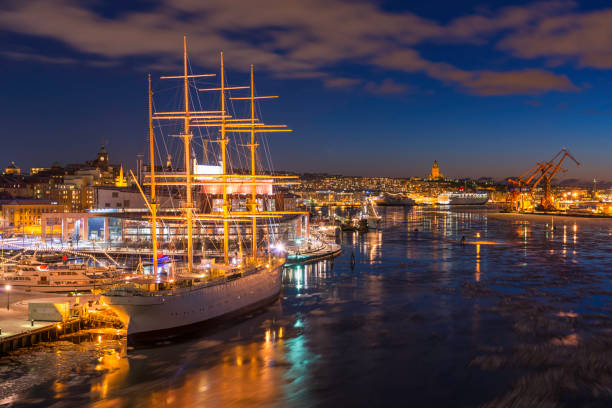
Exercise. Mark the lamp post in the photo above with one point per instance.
(8, 296)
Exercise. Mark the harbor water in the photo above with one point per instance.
(517, 313)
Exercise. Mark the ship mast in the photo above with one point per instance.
(253, 146)
(187, 140)
(223, 142)
(222, 120)
(186, 116)
(153, 203)
(253, 186)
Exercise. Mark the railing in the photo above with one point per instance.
(168, 288)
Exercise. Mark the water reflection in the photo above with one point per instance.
(421, 314)
(477, 275)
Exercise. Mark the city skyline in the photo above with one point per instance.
(485, 90)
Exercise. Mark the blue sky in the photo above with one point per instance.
(370, 88)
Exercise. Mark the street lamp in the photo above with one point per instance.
(8, 296)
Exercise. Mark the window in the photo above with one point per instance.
(107, 205)
(126, 203)
(115, 194)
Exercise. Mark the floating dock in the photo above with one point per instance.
(325, 251)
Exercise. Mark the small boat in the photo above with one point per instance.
(370, 216)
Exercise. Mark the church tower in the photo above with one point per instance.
(102, 156)
(435, 172)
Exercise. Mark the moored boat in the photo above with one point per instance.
(57, 278)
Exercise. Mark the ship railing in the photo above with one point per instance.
(150, 287)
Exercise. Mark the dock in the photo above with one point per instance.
(18, 330)
(324, 251)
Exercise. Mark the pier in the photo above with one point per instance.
(18, 329)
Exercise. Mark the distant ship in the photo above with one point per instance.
(462, 198)
(388, 199)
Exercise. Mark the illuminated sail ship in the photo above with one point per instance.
(202, 293)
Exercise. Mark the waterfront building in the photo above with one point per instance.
(107, 197)
(23, 215)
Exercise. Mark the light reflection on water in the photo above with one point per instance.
(516, 315)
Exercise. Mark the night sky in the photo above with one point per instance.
(370, 88)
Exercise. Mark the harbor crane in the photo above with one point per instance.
(520, 194)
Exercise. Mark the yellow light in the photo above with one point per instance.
(59, 326)
(7, 287)
(478, 235)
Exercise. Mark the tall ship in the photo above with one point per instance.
(462, 198)
(246, 273)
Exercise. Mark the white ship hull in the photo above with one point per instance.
(463, 199)
(167, 314)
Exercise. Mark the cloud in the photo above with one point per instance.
(582, 37)
(24, 56)
(300, 38)
(480, 82)
(386, 87)
(508, 18)
(526, 82)
(341, 82)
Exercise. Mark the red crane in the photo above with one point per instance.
(523, 187)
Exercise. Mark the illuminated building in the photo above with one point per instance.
(35, 170)
(120, 181)
(435, 172)
(12, 169)
(26, 215)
